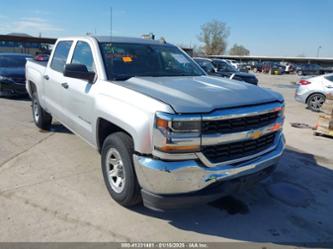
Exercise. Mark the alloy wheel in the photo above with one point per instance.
(115, 170)
(316, 102)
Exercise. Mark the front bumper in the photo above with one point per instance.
(169, 178)
(12, 89)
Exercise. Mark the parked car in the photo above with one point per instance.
(312, 91)
(243, 67)
(273, 68)
(232, 63)
(220, 68)
(257, 67)
(326, 69)
(308, 69)
(168, 133)
(12, 74)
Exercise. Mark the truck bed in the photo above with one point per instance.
(34, 72)
(41, 63)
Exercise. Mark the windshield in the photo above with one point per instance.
(125, 60)
(207, 65)
(12, 61)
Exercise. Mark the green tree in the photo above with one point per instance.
(214, 36)
(239, 50)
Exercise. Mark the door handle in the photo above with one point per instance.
(65, 85)
(46, 77)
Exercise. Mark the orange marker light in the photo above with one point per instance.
(127, 59)
(276, 127)
(189, 148)
(161, 123)
(278, 109)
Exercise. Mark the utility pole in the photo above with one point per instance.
(318, 50)
(110, 21)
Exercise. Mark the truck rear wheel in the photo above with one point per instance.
(41, 118)
(118, 171)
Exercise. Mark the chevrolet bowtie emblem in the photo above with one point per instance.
(256, 134)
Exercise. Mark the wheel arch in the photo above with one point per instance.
(104, 128)
(32, 87)
(310, 95)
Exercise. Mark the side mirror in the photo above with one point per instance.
(79, 71)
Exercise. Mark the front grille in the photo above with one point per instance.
(238, 124)
(231, 151)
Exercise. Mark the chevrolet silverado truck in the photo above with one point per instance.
(168, 134)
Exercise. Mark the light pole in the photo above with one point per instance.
(318, 49)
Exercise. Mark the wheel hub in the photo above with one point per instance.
(115, 170)
(35, 110)
(316, 102)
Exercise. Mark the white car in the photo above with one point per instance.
(233, 63)
(312, 91)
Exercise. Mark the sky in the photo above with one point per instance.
(273, 28)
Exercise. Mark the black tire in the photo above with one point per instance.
(129, 193)
(41, 118)
(315, 101)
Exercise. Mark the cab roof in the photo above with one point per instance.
(129, 40)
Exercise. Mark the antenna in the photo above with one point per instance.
(111, 22)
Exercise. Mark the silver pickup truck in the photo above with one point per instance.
(169, 135)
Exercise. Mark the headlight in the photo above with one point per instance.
(4, 78)
(177, 133)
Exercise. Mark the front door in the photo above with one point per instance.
(81, 101)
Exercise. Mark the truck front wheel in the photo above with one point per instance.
(118, 171)
(41, 118)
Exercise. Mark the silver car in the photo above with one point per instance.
(312, 91)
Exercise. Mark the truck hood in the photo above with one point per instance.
(200, 94)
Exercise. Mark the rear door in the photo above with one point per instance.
(54, 90)
(80, 100)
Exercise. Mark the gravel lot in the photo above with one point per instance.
(51, 189)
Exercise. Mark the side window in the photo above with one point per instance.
(330, 78)
(83, 55)
(60, 55)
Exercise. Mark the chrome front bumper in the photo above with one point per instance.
(179, 177)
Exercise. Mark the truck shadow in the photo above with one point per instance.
(292, 207)
(23, 98)
(59, 128)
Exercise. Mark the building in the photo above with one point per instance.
(23, 43)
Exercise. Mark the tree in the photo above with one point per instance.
(239, 50)
(214, 35)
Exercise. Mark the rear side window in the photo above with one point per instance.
(60, 56)
(330, 78)
(83, 55)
